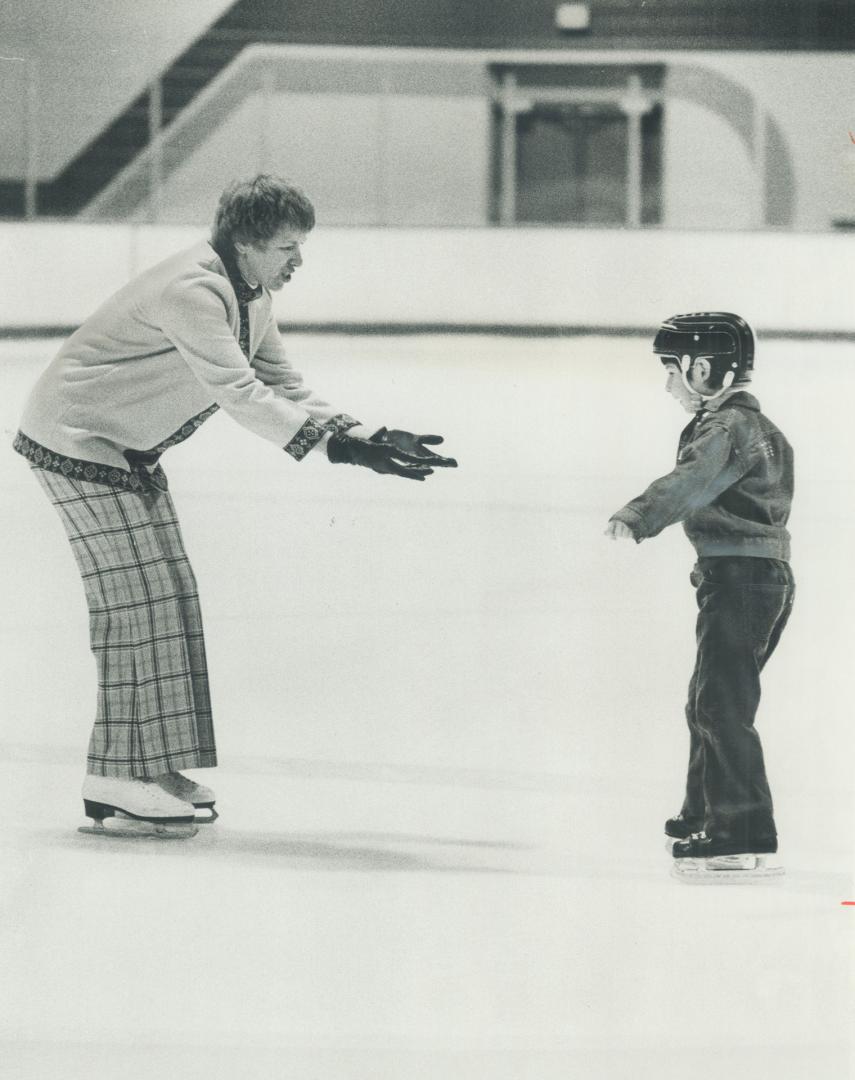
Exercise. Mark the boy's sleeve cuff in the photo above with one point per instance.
(633, 521)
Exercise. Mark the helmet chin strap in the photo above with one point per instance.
(686, 363)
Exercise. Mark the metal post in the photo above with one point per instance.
(155, 124)
(382, 198)
(31, 140)
(634, 106)
(508, 180)
(758, 135)
(268, 88)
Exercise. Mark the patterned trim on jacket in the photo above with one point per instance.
(185, 431)
(311, 433)
(41, 458)
(141, 476)
(144, 474)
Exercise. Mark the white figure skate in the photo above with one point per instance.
(133, 808)
(180, 787)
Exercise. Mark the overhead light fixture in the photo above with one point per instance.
(572, 18)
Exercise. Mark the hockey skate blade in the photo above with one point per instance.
(725, 869)
(124, 828)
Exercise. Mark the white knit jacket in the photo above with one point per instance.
(160, 352)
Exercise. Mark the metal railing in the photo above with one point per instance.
(267, 70)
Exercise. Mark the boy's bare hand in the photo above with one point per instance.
(617, 530)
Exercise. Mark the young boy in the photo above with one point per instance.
(731, 488)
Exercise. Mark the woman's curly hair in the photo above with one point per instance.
(253, 211)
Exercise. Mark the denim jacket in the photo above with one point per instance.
(732, 486)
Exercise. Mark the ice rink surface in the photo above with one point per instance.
(450, 726)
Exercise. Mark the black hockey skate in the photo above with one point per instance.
(680, 828)
(703, 859)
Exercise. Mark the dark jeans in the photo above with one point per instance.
(743, 606)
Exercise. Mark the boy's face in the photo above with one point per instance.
(675, 386)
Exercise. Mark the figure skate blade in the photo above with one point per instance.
(120, 827)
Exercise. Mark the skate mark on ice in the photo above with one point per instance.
(388, 772)
(328, 852)
(816, 882)
(300, 852)
(439, 841)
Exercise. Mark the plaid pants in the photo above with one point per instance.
(154, 712)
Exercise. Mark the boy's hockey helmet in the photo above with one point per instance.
(722, 338)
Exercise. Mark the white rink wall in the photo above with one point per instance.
(53, 275)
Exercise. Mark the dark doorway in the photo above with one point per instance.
(580, 148)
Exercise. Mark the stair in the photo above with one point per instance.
(120, 142)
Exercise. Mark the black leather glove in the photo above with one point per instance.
(413, 447)
(380, 457)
